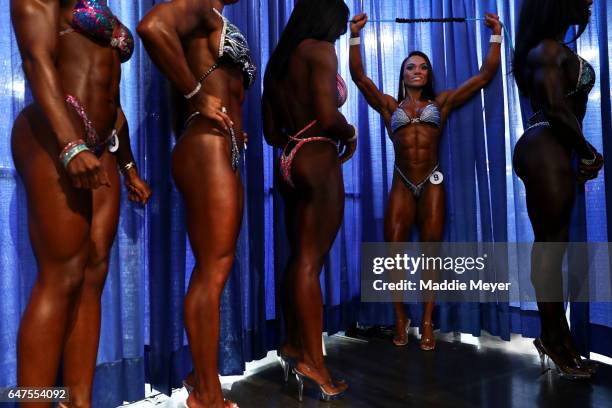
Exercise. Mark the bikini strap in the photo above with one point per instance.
(296, 137)
(208, 72)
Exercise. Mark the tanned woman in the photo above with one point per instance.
(67, 147)
(207, 59)
(415, 121)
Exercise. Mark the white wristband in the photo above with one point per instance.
(194, 92)
(496, 38)
(355, 41)
(589, 162)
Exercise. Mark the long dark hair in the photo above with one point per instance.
(324, 20)
(428, 90)
(545, 19)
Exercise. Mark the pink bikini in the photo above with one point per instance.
(296, 142)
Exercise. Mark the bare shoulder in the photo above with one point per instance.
(318, 52)
(547, 53)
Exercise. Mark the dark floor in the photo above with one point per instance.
(454, 375)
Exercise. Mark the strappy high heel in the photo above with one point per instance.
(286, 363)
(426, 343)
(585, 363)
(578, 361)
(401, 337)
(564, 370)
(324, 395)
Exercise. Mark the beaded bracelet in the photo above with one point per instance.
(70, 145)
(70, 153)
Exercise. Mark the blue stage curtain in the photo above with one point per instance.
(485, 200)
(143, 336)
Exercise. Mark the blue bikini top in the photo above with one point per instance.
(430, 114)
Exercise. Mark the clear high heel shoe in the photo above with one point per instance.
(588, 364)
(286, 363)
(324, 395)
(401, 338)
(564, 370)
(584, 363)
(426, 343)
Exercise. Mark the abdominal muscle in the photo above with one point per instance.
(416, 150)
(92, 77)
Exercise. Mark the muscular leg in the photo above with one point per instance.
(430, 217)
(213, 197)
(58, 221)
(319, 196)
(399, 219)
(293, 344)
(81, 346)
(550, 187)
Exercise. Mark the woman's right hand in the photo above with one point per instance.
(86, 171)
(358, 22)
(211, 108)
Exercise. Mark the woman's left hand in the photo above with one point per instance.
(348, 147)
(138, 189)
(492, 21)
(588, 172)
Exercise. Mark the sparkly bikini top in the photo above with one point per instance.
(430, 114)
(586, 78)
(341, 89)
(95, 19)
(233, 46)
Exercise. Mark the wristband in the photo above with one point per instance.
(71, 152)
(589, 162)
(194, 92)
(495, 38)
(70, 145)
(355, 40)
